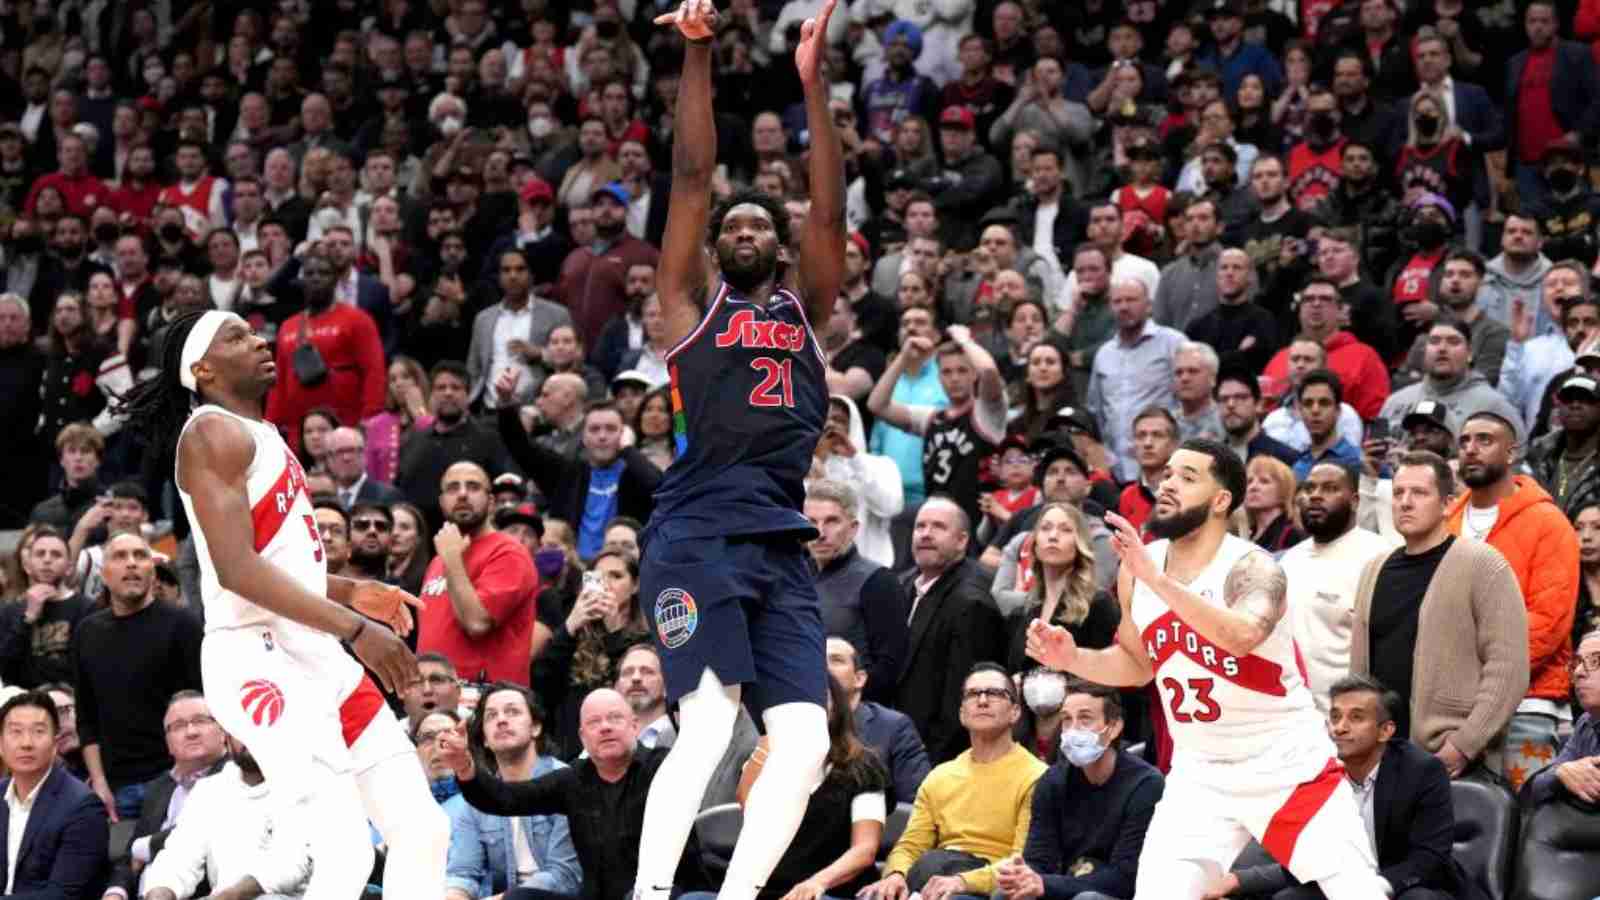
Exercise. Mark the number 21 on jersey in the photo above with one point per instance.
(776, 387)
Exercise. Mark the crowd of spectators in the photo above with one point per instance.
(1355, 240)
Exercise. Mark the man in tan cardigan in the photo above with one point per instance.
(1459, 656)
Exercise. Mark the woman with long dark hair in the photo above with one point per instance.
(82, 376)
(584, 653)
(1062, 592)
(410, 548)
(833, 852)
(1045, 388)
(315, 426)
(653, 428)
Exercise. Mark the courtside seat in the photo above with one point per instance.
(893, 827)
(1485, 839)
(1560, 852)
(717, 829)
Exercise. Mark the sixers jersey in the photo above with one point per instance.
(1219, 706)
(284, 527)
(749, 399)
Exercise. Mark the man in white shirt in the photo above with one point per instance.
(1105, 232)
(1324, 573)
(233, 836)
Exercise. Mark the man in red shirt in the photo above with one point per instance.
(1360, 370)
(81, 190)
(355, 382)
(1552, 93)
(479, 591)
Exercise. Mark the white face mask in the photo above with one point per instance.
(449, 125)
(540, 126)
(1044, 691)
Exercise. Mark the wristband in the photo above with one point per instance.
(701, 42)
(360, 627)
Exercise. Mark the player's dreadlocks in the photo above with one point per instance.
(159, 406)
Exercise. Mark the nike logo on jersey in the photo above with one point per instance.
(745, 330)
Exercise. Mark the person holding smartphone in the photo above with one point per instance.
(1427, 426)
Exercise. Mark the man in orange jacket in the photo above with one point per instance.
(1513, 514)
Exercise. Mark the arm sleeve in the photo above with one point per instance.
(88, 712)
(1430, 837)
(374, 369)
(1117, 879)
(1004, 588)
(883, 610)
(559, 870)
(1263, 880)
(464, 864)
(547, 469)
(506, 583)
(546, 795)
(920, 836)
(1042, 849)
(1502, 618)
(910, 763)
(1552, 599)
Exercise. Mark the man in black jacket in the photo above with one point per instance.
(605, 481)
(1404, 795)
(954, 624)
(455, 437)
(861, 600)
(602, 795)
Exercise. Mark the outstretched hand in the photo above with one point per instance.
(808, 56)
(1129, 546)
(389, 605)
(696, 19)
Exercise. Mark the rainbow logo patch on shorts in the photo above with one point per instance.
(676, 617)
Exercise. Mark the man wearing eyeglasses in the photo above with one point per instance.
(347, 463)
(437, 690)
(971, 813)
(1576, 769)
(1322, 313)
(197, 745)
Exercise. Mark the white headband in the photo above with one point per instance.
(199, 341)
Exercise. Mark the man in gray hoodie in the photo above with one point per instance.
(1449, 379)
(1518, 272)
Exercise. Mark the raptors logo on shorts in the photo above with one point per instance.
(676, 617)
(262, 701)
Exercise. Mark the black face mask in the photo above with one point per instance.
(105, 233)
(1428, 126)
(607, 30)
(1324, 126)
(171, 233)
(1563, 180)
(28, 243)
(1428, 235)
(70, 251)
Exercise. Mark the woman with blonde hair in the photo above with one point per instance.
(1269, 505)
(1436, 157)
(1061, 591)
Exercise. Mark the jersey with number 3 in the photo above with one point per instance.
(1219, 706)
(282, 523)
(749, 399)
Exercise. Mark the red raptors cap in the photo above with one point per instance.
(957, 117)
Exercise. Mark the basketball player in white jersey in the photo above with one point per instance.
(274, 673)
(1203, 615)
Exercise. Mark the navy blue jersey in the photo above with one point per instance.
(749, 399)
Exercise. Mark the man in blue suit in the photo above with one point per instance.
(890, 734)
(61, 854)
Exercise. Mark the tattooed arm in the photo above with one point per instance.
(1254, 595)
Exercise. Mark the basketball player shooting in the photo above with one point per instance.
(725, 576)
(275, 675)
(1203, 614)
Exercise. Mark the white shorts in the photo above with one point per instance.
(1295, 801)
(279, 692)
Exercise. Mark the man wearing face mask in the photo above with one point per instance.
(1570, 210)
(1090, 810)
(1433, 221)
(1315, 163)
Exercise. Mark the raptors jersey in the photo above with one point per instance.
(194, 203)
(1218, 706)
(284, 527)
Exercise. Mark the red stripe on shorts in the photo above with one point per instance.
(1283, 832)
(359, 709)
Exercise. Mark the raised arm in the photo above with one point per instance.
(821, 263)
(1254, 594)
(881, 401)
(213, 457)
(683, 280)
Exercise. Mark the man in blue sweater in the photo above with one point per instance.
(1090, 810)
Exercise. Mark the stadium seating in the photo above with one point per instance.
(1485, 840)
(718, 830)
(1559, 857)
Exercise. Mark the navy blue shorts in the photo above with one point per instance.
(745, 607)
